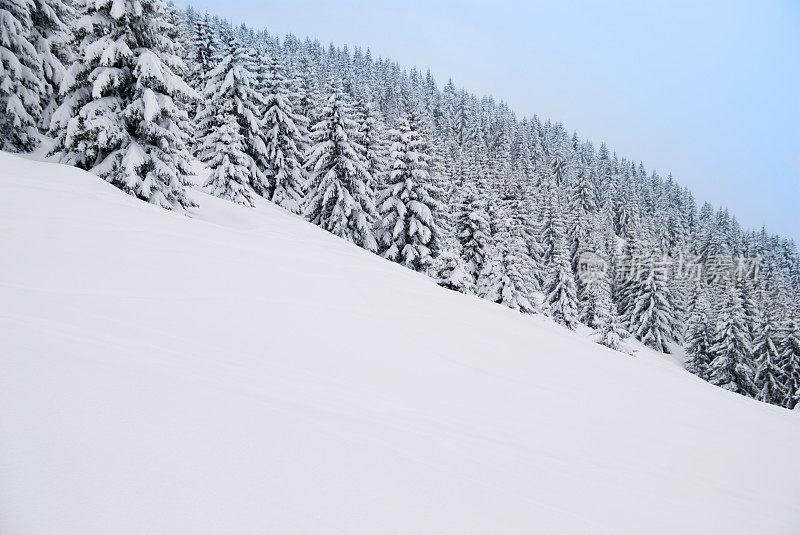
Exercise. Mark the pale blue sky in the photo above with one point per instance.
(709, 90)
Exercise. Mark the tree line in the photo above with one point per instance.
(434, 178)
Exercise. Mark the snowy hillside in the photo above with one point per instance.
(243, 371)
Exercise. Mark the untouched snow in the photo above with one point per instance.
(244, 372)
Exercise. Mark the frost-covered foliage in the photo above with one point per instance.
(284, 134)
(611, 333)
(561, 292)
(700, 335)
(339, 198)
(231, 112)
(203, 54)
(790, 363)
(450, 271)
(231, 88)
(731, 367)
(650, 315)
(500, 280)
(119, 118)
(408, 205)
(21, 82)
(373, 138)
(770, 378)
(50, 33)
(472, 231)
(223, 152)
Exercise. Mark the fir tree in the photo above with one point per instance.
(770, 378)
(790, 363)
(339, 197)
(408, 207)
(230, 111)
(50, 36)
(651, 319)
(731, 367)
(204, 47)
(594, 300)
(611, 332)
(450, 271)
(119, 118)
(472, 231)
(21, 85)
(284, 133)
(700, 336)
(223, 152)
(561, 299)
(500, 280)
(308, 96)
(371, 139)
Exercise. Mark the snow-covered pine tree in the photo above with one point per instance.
(408, 205)
(204, 52)
(652, 316)
(611, 333)
(790, 362)
(500, 280)
(284, 133)
(553, 228)
(50, 34)
(308, 95)
(21, 82)
(371, 137)
(119, 118)
(561, 293)
(339, 198)
(594, 300)
(230, 98)
(516, 205)
(560, 289)
(472, 230)
(731, 367)
(770, 379)
(699, 335)
(223, 152)
(450, 271)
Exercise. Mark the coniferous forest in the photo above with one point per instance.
(518, 211)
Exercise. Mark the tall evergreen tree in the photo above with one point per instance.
(371, 138)
(611, 332)
(284, 133)
(339, 197)
(790, 363)
(230, 111)
(651, 318)
(500, 280)
(50, 34)
(408, 204)
(21, 82)
(223, 152)
(450, 271)
(731, 367)
(472, 231)
(561, 294)
(770, 378)
(700, 335)
(119, 118)
(204, 52)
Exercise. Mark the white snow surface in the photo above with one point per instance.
(242, 371)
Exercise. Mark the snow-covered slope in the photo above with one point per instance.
(242, 371)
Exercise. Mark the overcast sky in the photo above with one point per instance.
(707, 90)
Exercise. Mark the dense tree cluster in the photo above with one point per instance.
(436, 179)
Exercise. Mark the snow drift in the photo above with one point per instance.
(242, 371)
